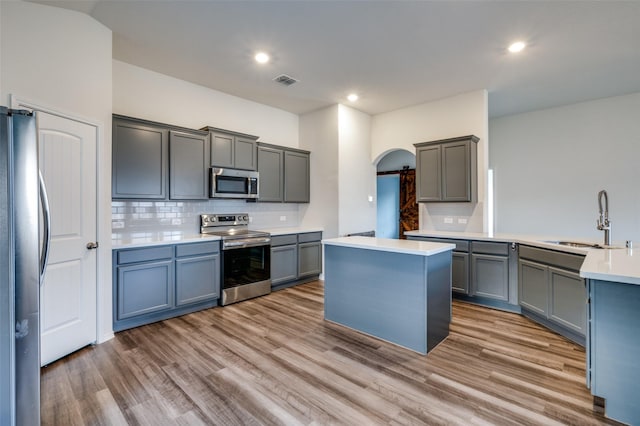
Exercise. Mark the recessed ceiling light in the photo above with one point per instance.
(352, 97)
(261, 58)
(517, 47)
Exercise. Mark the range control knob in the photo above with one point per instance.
(245, 218)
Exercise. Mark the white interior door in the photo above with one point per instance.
(68, 305)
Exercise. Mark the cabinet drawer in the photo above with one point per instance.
(144, 254)
(309, 236)
(193, 249)
(461, 245)
(501, 249)
(569, 261)
(284, 240)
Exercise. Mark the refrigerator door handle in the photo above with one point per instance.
(46, 240)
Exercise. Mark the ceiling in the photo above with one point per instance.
(392, 53)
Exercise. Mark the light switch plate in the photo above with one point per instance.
(448, 220)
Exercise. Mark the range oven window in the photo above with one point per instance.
(246, 266)
(231, 185)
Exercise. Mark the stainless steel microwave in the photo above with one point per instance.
(233, 183)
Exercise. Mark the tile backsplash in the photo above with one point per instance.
(184, 216)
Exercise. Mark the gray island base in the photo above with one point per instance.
(395, 290)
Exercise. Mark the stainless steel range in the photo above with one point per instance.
(246, 256)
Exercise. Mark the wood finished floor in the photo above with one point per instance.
(274, 360)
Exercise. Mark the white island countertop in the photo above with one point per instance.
(420, 248)
(616, 264)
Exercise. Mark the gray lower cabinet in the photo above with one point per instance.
(284, 259)
(295, 258)
(482, 272)
(144, 288)
(568, 300)
(460, 272)
(160, 282)
(459, 262)
(490, 276)
(284, 174)
(232, 150)
(197, 273)
(446, 170)
(188, 166)
(309, 258)
(139, 160)
(551, 292)
(533, 286)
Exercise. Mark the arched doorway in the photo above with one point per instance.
(397, 210)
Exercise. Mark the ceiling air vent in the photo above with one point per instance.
(285, 80)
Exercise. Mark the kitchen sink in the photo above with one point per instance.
(579, 244)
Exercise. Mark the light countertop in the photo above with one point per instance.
(420, 248)
(290, 230)
(618, 264)
(141, 239)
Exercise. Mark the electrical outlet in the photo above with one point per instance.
(283, 218)
(448, 220)
(462, 220)
(176, 221)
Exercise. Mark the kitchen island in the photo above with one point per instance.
(395, 290)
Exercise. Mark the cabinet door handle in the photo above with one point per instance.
(92, 245)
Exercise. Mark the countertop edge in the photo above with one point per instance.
(615, 265)
(419, 248)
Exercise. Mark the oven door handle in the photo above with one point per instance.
(253, 242)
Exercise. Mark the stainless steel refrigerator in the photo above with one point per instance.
(23, 255)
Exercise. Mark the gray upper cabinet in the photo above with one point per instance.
(271, 169)
(429, 163)
(222, 152)
(447, 170)
(284, 174)
(140, 160)
(232, 150)
(245, 154)
(188, 165)
(296, 177)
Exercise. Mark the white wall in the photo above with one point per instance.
(455, 116)
(397, 160)
(62, 60)
(319, 134)
(357, 172)
(141, 93)
(550, 164)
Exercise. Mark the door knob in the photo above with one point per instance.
(92, 245)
